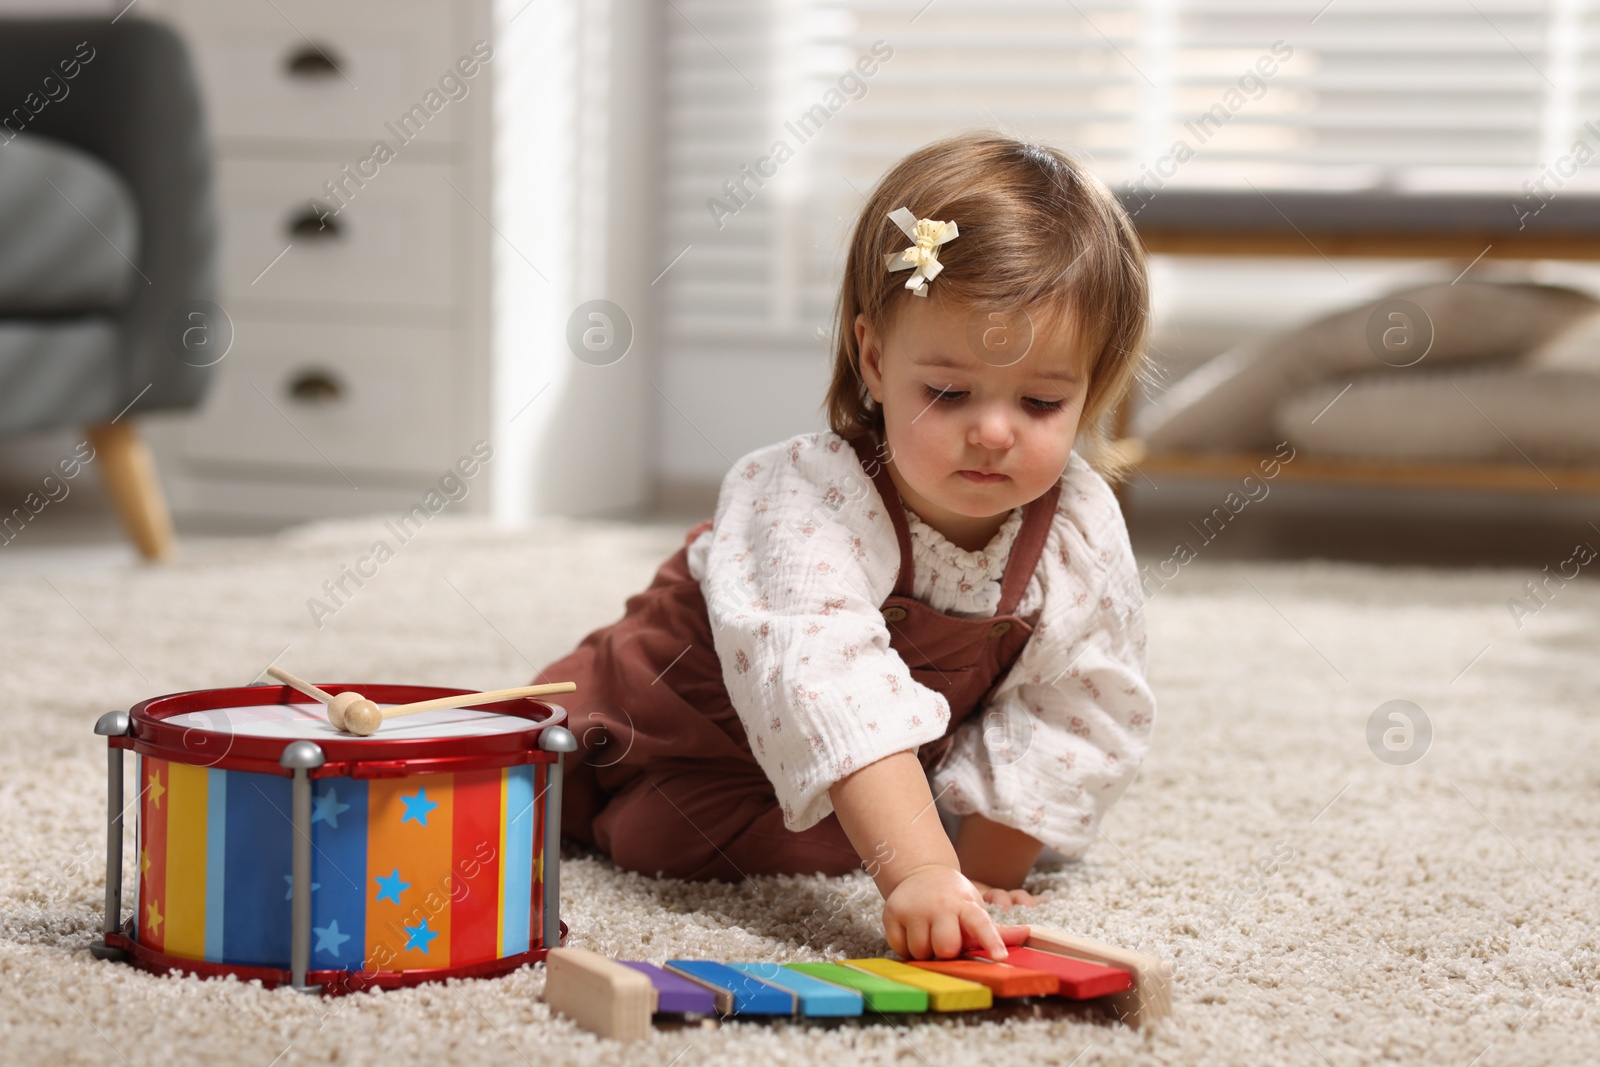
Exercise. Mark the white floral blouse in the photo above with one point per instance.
(801, 556)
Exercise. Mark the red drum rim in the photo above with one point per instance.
(344, 756)
(333, 983)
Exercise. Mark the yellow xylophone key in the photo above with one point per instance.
(944, 993)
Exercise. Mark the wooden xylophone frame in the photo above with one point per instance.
(612, 1000)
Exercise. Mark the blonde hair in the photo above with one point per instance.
(1038, 234)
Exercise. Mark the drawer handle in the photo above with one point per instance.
(315, 223)
(311, 61)
(316, 387)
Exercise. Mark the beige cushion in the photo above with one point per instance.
(1227, 404)
(1485, 413)
(1575, 349)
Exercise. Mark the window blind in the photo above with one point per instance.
(1412, 94)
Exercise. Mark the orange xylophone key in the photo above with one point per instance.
(1004, 981)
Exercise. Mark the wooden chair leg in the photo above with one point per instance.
(129, 474)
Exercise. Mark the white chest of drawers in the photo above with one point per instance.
(356, 277)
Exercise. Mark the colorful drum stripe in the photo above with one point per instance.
(408, 873)
(408, 842)
(153, 852)
(517, 810)
(475, 914)
(216, 858)
(340, 889)
(187, 811)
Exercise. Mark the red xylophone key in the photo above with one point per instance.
(1078, 980)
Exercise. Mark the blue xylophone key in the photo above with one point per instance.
(818, 999)
(750, 995)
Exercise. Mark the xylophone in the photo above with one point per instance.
(619, 999)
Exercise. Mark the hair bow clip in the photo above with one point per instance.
(926, 235)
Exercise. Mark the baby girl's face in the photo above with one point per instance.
(973, 430)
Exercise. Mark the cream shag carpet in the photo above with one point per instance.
(1322, 906)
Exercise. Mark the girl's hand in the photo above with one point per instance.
(935, 912)
(1006, 898)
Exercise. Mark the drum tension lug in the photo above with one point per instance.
(110, 725)
(559, 740)
(102, 951)
(300, 758)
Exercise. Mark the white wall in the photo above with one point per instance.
(574, 200)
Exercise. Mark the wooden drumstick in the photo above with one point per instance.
(339, 705)
(364, 722)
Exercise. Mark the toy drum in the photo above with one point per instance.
(272, 846)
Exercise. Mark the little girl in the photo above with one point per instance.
(930, 610)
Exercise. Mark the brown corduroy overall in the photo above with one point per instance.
(664, 780)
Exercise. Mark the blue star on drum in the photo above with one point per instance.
(328, 809)
(421, 937)
(288, 884)
(329, 939)
(417, 807)
(391, 886)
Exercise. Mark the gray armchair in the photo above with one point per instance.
(108, 246)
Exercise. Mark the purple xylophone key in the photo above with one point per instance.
(674, 993)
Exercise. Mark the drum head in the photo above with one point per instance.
(292, 721)
(248, 728)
